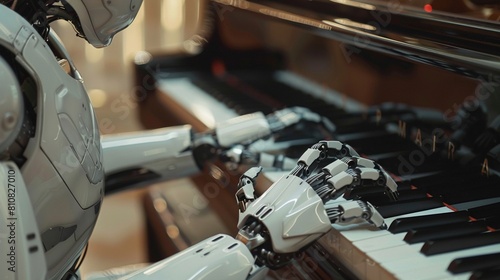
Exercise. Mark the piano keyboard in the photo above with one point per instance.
(434, 187)
(212, 100)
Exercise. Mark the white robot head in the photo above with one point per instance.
(100, 20)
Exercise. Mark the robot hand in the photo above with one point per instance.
(294, 212)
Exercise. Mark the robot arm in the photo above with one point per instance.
(136, 158)
(276, 227)
(218, 257)
(167, 153)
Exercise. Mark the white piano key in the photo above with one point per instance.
(341, 241)
(374, 260)
(406, 262)
(362, 262)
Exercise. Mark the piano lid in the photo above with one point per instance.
(462, 36)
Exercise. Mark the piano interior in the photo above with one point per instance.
(412, 84)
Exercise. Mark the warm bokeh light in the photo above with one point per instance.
(428, 8)
(160, 204)
(142, 57)
(98, 97)
(172, 16)
(172, 231)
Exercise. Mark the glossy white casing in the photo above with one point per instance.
(292, 212)
(11, 106)
(102, 19)
(242, 129)
(20, 245)
(218, 257)
(165, 151)
(63, 172)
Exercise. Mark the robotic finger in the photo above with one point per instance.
(245, 193)
(351, 212)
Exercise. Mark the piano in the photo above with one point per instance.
(342, 59)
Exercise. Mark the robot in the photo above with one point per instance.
(53, 162)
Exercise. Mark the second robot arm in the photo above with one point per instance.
(167, 153)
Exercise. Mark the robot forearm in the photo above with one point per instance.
(218, 257)
(140, 157)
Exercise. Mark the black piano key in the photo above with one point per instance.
(404, 186)
(405, 224)
(460, 188)
(282, 93)
(378, 196)
(438, 179)
(474, 194)
(232, 97)
(447, 183)
(473, 263)
(365, 193)
(294, 97)
(401, 164)
(444, 231)
(492, 222)
(396, 209)
(434, 247)
(380, 143)
(264, 88)
(485, 211)
(470, 189)
(486, 274)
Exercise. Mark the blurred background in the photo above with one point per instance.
(119, 238)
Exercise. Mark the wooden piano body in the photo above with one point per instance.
(338, 58)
